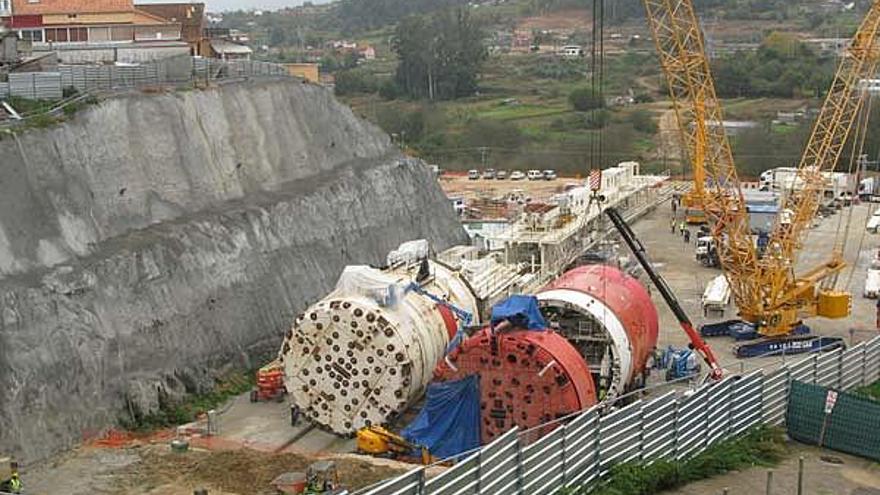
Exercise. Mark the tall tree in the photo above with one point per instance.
(440, 55)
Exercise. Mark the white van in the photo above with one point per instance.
(535, 175)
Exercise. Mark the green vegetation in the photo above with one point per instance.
(584, 100)
(642, 121)
(767, 146)
(173, 413)
(872, 391)
(781, 67)
(439, 55)
(762, 446)
(435, 88)
(26, 106)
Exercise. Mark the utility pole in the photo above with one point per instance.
(484, 151)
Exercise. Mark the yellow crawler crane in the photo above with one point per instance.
(768, 293)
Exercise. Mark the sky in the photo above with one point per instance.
(221, 5)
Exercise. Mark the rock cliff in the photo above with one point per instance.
(155, 239)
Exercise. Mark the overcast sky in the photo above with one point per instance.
(220, 5)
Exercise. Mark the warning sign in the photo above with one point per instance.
(830, 400)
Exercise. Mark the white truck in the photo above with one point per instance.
(706, 253)
(869, 189)
(872, 282)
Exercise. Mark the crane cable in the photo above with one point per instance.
(852, 270)
(841, 236)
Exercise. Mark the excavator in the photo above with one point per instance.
(773, 299)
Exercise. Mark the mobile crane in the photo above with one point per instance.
(771, 298)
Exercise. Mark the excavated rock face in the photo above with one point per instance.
(157, 239)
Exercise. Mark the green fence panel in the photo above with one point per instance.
(853, 426)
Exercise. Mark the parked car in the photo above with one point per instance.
(473, 174)
(501, 174)
(535, 175)
(549, 174)
(489, 173)
(517, 175)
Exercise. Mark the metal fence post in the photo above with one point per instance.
(675, 435)
(519, 466)
(564, 456)
(770, 482)
(480, 470)
(800, 485)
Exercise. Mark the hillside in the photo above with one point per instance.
(153, 242)
(768, 55)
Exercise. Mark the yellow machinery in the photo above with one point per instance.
(378, 441)
(767, 291)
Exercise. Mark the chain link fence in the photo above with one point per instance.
(580, 451)
(850, 423)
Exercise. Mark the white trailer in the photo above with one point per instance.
(836, 185)
(874, 222)
(716, 297)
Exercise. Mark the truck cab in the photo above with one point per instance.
(706, 253)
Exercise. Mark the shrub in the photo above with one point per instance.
(596, 119)
(642, 121)
(762, 446)
(355, 81)
(583, 100)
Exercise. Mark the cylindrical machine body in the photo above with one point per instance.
(527, 378)
(609, 317)
(367, 350)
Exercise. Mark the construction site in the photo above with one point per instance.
(245, 288)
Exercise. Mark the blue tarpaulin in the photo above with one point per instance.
(522, 311)
(449, 422)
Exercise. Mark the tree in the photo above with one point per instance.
(583, 100)
(781, 67)
(440, 55)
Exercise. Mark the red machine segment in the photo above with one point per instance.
(526, 378)
(625, 296)
(448, 320)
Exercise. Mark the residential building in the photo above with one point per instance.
(229, 50)
(76, 29)
(223, 43)
(191, 17)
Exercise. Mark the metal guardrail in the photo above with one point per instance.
(580, 452)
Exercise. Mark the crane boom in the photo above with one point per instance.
(679, 41)
(801, 202)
